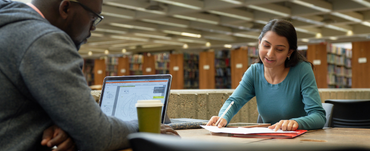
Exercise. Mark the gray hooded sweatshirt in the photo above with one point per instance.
(41, 83)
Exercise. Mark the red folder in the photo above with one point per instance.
(272, 135)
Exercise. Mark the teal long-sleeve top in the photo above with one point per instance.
(295, 98)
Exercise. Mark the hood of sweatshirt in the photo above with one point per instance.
(16, 12)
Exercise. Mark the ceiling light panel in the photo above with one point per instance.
(168, 42)
(134, 5)
(169, 22)
(152, 36)
(363, 2)
(273, 9)
(233, 2)
(191, 4)
(132, 26)
(352, 16)
(210, 28)
(117, 12)
(319, 5)
(199, 17)
(129, 38)
(110, 31)
(234, 13)
(191, 41)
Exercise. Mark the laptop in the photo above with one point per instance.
(120, 94)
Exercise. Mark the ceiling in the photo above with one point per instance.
(181, 25)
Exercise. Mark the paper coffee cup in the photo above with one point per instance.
(149, 115)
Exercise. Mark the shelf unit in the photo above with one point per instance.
(252, 55)
(88, 70)
(123, 66)
(148, 64)
(176, 69)
(339, 67)
(332, 65)
(239, 64)
(317, 54)
(360, 64)
(136, 64)
(222, 68)
(191, 71)
(111, 66)
(162, 63)
(207, 70)
(99, 71)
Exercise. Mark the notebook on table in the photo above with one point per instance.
(120, 94)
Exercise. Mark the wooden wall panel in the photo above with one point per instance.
(360, 71)
(177, 71)
(239, 64)
(319, 52)
(148, 65)
(207, 75)
(99, 71)
(123, 66)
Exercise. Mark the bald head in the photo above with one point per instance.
(75, 17)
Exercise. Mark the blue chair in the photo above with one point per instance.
(327, 107)
(350, 113)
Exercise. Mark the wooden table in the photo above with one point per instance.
(342, 136)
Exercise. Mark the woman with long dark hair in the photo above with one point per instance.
(282, 81)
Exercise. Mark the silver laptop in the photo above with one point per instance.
(120, 94)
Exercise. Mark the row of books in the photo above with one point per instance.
(339, 70)
(223, 82)
(223, 72)
(162, 65)
(111, 68)
(162, 57)
(335, 59)
(111, 74)
(191, 74)
(340, 51)
(162, 71)
(335, 81)
(222, 63)
(136, 72)
(188, 56)
(222, 54)
(136, 66)
(252, 51)
(111, 60)
(136, 58)
(191, 84)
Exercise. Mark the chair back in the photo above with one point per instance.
(350, 113)
(327, 107)
(329, 112)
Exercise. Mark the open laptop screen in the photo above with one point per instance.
(119, 96)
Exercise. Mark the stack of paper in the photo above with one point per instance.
(255, 132)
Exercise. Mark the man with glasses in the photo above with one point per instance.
(41, 81)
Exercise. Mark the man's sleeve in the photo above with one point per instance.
(51, 70)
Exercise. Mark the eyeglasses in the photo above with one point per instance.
(97, 20)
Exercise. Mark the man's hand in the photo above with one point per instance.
(54, 136)
(165, 129)
(285, 125)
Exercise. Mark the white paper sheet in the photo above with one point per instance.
(255, 130)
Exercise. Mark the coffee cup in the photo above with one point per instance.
(149, 115)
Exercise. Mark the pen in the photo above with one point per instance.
(227, 109)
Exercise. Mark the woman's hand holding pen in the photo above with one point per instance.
(285, 125)
(213, 122)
